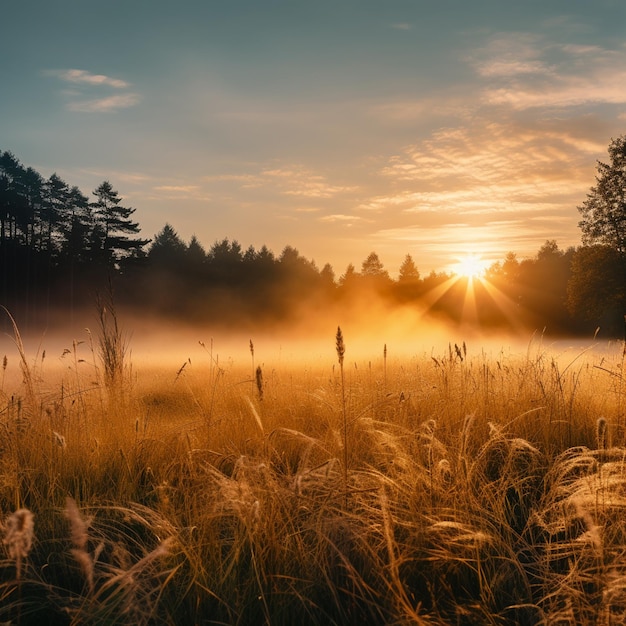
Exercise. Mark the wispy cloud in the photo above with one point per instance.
(86, 96)
(246, 181)
(564, 92)
(104, 105)
(87, 78)
(512, 54)
(513, 67)
(339, 217)
(491, 241)
(492, 185)
(293, 180)
(177, 188)
(524, 71)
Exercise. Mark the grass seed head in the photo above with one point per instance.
(18, 534)
(341, 347)
(259, 381)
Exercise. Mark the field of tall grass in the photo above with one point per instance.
(460, 487)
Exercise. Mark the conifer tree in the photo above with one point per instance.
(116, 228)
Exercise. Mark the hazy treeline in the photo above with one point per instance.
(59, 249)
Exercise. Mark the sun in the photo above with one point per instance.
(470, 266)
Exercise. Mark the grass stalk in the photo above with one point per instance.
(341, 350)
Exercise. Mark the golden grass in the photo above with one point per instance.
(472, 489)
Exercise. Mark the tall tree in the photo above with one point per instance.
(76, 229)
(408, 271)
(408, 286)
(196, 254)
(327, 276)
(604, 212)
(33, 189)
(56, 200)
(349, 278)
(225, 261)
(167, 248)
(298, 277)
(373, 274)
(372, 267)
(596, 290)
(11, 172)
(116, 227)
(598, 284)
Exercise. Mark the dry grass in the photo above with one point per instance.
(472, 489)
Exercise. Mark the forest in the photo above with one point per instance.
(61, 250)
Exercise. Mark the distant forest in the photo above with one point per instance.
(61, 250)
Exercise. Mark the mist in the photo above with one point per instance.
(372, 326)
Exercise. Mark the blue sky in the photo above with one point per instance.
(435, 129)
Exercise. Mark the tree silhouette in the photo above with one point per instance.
(596, 289)
(542, 284)
(56, 200)
(167, 248)
(225, 262)
(196, 254)
(349, 278)
(76, 229)
(115, 227)
(604, 212)
(54, 245)
(409, 284)
(408, 271)
(372, 267)
(598, 284)
(327, 276)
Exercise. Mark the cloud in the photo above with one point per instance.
(401, 111)
(299, 181)
(104, 105)
(524, 71)
(564, 92)
(87, 78)
(339, 217)
(177, 188)
(245, 181)
(491, 241)
(512, 67)
(81, 98)
(511, 54)
(493, 184)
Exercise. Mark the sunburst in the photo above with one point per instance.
(470, 266)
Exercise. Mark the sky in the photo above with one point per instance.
(338, 127)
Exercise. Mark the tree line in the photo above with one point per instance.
(59, 249)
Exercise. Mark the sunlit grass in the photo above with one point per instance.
(458, 486)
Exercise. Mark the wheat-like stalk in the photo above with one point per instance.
(19, 529)
(79, 535)
(341, 350)
(259, 381)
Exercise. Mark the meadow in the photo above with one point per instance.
(453, 486)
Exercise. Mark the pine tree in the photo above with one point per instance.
(55, 213)
(167, 248)
(116, 225)
(408, 271)
(372, 267)
(76, 230)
